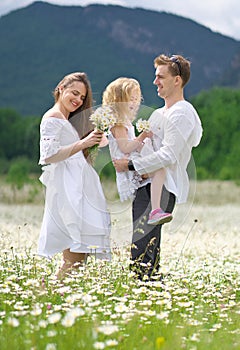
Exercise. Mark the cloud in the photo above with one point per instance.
(219, 15)
(86, 2)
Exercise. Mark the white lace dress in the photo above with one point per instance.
(75, 214)
(129, 181)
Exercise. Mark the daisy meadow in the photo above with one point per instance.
(102, 305)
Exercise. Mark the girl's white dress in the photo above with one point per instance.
(128, 181)
(75, 214)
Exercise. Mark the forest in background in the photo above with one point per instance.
(217, 157)
(111, 41)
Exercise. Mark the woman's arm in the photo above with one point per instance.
(65, 152)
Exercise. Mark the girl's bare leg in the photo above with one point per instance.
(158, 178)
(71, 260)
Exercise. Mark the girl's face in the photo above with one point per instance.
(72, 97)
(134, 101)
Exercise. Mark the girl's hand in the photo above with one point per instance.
(146, 134)
(149, 134)
(141, 137)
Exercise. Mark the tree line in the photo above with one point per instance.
(19, 140)
(217, 156)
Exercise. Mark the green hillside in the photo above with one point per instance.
(41, 43)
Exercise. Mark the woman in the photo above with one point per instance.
(75, 216)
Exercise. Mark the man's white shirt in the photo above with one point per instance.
(176, 131)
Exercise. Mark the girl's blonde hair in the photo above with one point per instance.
(117, 96)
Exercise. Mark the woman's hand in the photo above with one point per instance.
(94, 138)
(104, 142)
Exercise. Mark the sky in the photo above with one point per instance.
(222, 16)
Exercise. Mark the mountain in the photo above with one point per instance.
(42, 42)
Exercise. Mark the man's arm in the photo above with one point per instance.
(176, 134)
(123, 165)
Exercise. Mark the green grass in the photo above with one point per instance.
(102, 306)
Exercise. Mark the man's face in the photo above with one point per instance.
(164, 81)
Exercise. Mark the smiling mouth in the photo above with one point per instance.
(75, 104)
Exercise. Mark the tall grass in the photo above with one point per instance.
(103, 306)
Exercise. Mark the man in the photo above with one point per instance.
(176, 130)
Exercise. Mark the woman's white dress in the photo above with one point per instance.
(75, 214)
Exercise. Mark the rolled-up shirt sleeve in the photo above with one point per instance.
(177, 132)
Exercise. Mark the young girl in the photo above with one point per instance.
(123, 95)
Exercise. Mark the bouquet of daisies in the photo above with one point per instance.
(142, 125)
(103, 118)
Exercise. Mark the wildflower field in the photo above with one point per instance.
(103, 306)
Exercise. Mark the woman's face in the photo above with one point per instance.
(72, 96)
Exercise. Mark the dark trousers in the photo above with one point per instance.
(146, 240)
